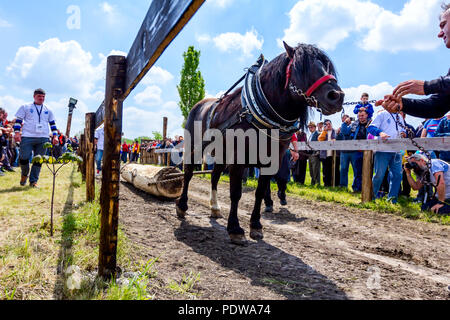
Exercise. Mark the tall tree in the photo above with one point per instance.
(192, 84)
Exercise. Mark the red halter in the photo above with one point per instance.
(314, 87)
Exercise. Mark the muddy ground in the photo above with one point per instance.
(311, 250)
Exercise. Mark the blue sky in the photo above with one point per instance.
(374, 44)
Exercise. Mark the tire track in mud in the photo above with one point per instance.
(311, 250)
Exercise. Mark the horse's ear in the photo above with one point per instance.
(289, 50)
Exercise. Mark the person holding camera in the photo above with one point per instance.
(439, 176)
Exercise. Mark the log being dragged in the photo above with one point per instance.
(157, 181)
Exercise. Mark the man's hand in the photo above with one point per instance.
(403, 135)
(17, 137)
(407, 171)
(391, 104)
(384, 136)
(409, 87)
(436, 208)
(295, 156)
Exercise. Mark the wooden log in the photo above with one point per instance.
(109, 197)
(90, 157)
(148, 179)
(367, 175)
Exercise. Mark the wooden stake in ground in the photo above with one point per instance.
(109, 197)
(367, 174)
(90, 157)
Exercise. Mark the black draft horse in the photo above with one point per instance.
(302, 77)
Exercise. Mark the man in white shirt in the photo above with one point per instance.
(388, 126)
(34, 120)
(99, 141)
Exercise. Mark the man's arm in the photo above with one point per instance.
(435, 106)
(415, 185)
(439, 176)
(438, 86)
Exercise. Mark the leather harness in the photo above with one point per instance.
(256, 109)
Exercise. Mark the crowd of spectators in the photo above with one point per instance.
(131, 152)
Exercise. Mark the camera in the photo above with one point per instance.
(411, 166)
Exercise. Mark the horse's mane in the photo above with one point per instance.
(305, 55)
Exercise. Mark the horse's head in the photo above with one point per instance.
(311, 75)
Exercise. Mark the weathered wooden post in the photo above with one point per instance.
(82, 154)
(333, 175)
(109, 197)
(367, 175)
(90, 157)
(165, 123)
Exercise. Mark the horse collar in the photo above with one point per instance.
(256, 106)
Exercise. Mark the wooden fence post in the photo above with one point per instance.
(333, 175)
(109, 197)
(82, 154)
(90, 157)
(367, 175)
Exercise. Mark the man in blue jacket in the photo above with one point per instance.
(353, 131)
(439, 103)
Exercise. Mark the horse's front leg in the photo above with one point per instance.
(256, 228)
(237, 234)
(215, 177)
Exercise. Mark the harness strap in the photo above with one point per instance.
(318, 83)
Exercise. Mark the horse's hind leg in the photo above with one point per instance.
(182, 203)
(256, 228)
(215, 177)
(237, 234)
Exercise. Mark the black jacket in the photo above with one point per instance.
(435, 106)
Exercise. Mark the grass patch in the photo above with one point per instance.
(186, 285)
(33, 264)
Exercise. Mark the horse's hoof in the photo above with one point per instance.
(238, 239)
(269, 209)
(256, 234)
(180, 213)
(215, 213)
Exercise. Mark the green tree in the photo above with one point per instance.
(192, 85)
(157, 135)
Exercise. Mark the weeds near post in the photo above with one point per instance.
(54, 166)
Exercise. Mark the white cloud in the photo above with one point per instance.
(4, 24)
(60, 67)
(220, 3)
(376, 92)
(415, 28)
(233, 41)
(107, 8)
(151, 96)
(328, 23)
(157, 75)
(140, 122)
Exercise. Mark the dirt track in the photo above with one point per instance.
(311, 250)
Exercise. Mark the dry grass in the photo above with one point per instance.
(33, 264)
(28, 255)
